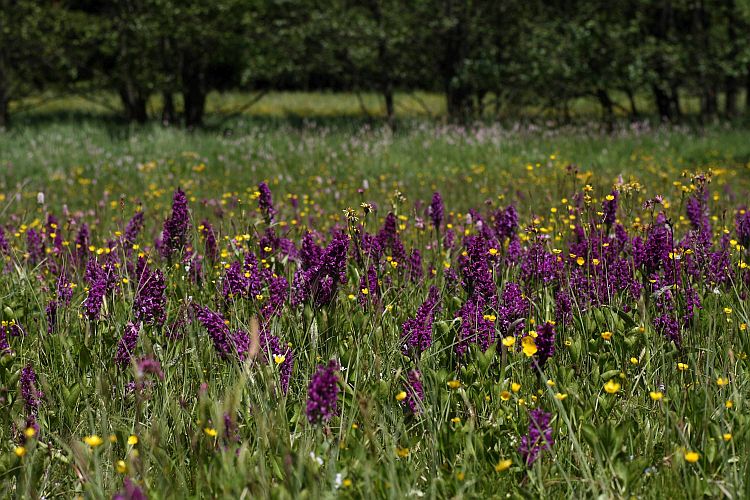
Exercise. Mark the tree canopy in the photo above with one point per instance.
(506, 54)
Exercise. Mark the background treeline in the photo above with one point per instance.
(483, 55)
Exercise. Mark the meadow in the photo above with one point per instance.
(322, 307)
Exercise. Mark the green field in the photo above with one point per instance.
(330, 106)
(634, 413)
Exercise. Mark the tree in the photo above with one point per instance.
(30, 53)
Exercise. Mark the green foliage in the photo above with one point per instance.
(486, 57)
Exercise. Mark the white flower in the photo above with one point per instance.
(40, 198)
(337, 481)
(316, 458)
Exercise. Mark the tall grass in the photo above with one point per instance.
(214, 427)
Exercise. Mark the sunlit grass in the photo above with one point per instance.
(632, 414)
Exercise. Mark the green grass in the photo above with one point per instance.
(269, 104)
(606, 445)
(298, 105)
(420, 158)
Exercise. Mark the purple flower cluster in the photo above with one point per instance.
(64, 290)
(98, 286)
(413, 403)
(148, 366)
(319, 282)
(449, 240)
(4, 344)
(130, 491)
(29, 393)
(34, 246)
(235, 284)
(742, 226)
(368, 286)
(174, 235)
(150, 299)
(63, 295)
(217, 329)
(389, 240)
(539, 437)
(436, 210)
(506, 223)
(495, 279)
(265, 202)
(668, 326)
(54, 231)
(417, 332)
(695, 213)
(274, 350)
(255, 275)
(414, 266)
(539, 265)
(241, 343)
(13, 328)
(323, 393)
(231, 431)
(609, 208)
(9, 329)
(4, 247)
(51, 314)
(278, 294)
(545, 344)
(513, 309)
(475, 328)
(563, 307)
(247, 280)
(209, 238)
(655, 251)
(81, 249)
(675, 309)
(476, 271)
(127, 345)
(310, 253)
(132, 230)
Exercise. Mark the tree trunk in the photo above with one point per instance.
(458, 102)
(4, 112)
(390, 109)
(663, 104)
(194, 94)
(385, 81)
(633, 109)
(567, 117)
(674, 100)
(732, 92)
(4, 101)
(662, 87)
(455, 47)
(134, 103)
(731, 85)
(168, 114)
(709, 102)
(169, 66)
(607, 107)
(481, 94)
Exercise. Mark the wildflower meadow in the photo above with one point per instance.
(343, 310)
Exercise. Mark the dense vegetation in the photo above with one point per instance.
(337, 248)
(337, 310)
(486, 57)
